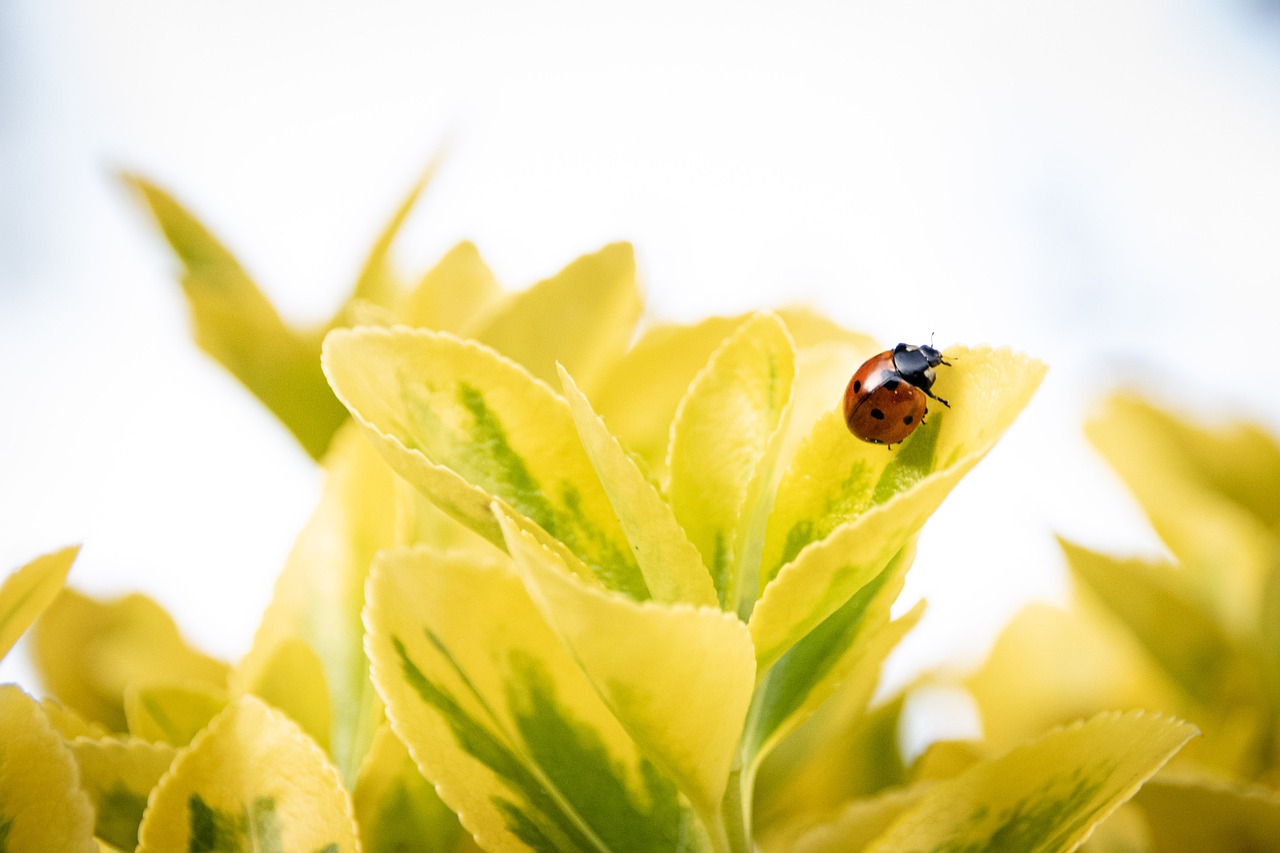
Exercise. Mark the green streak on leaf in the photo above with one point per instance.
(565, 775)
(616, 569)
(523, 827)
(806, 664)
(212, 831)
(481, 453)
(852, 497)
(574, 759)
(5, 826)
(508, 476)
(913, 463)
(1043, 821)
(721, 566)
(256, 829)
(328, 848)
(482, 745)
(119, 814)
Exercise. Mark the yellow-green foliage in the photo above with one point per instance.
(1196, 635)
(572, 584)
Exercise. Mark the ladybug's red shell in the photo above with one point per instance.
(880, 405)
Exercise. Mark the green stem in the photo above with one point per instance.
(735, 812)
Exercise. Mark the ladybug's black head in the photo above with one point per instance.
(934, 357)
(916, 364)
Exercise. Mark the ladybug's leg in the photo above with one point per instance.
(936, 397)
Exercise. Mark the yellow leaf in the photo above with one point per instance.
(1046, 795)
(724, 442)
(465, 426)
(639, 393)
(1238, 462)
(250, 781)
(678, 678)
(168, 713)
(1050, 666)
(292, 680)
(1203, 517)
(1173, 628)
(238, 326)
(26, 593)
(118, 776)
(68, 723)
(1193, 815)
(378, 281)
(320, 594)
(42, 809)
(853, 827)
(839, 537)
(806, 779)
(88, 652)
(582, 317)
(452, 293)
(842, 654)
(499, 716)
(826, 356)
(946, 759)
(672, 567)
(398, 810)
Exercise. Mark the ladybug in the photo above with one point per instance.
(885, 400)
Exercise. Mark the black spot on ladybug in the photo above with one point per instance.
(857, 386)
(907, 419)
(877, 414)
(891, 384)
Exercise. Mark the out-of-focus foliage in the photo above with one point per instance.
(572, 584)
(1196, 634)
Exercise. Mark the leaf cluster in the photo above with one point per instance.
(574, 582)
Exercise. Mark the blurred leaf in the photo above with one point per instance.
(677, 678)
(724, 443)
(88, 652)
(68, 723)
(1195, 815)
(378, 281)
(397, 810)
(672, 567)
(1046, 795)
(452, 292)
(821, 768)
(165, 713)
(42, 809)
(499, 716)
(1202, 512)
(987, 389)
(292, 680)
(855, 826)
(583, 317)
(118, 775)
(320, 594)
(1239, 461)
(26, 593)
(1051, 666)
(250, 781)
(946, 759)
(238, 326)
(465, 426)
(1174, 630)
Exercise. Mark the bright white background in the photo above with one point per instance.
(1096, 183)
